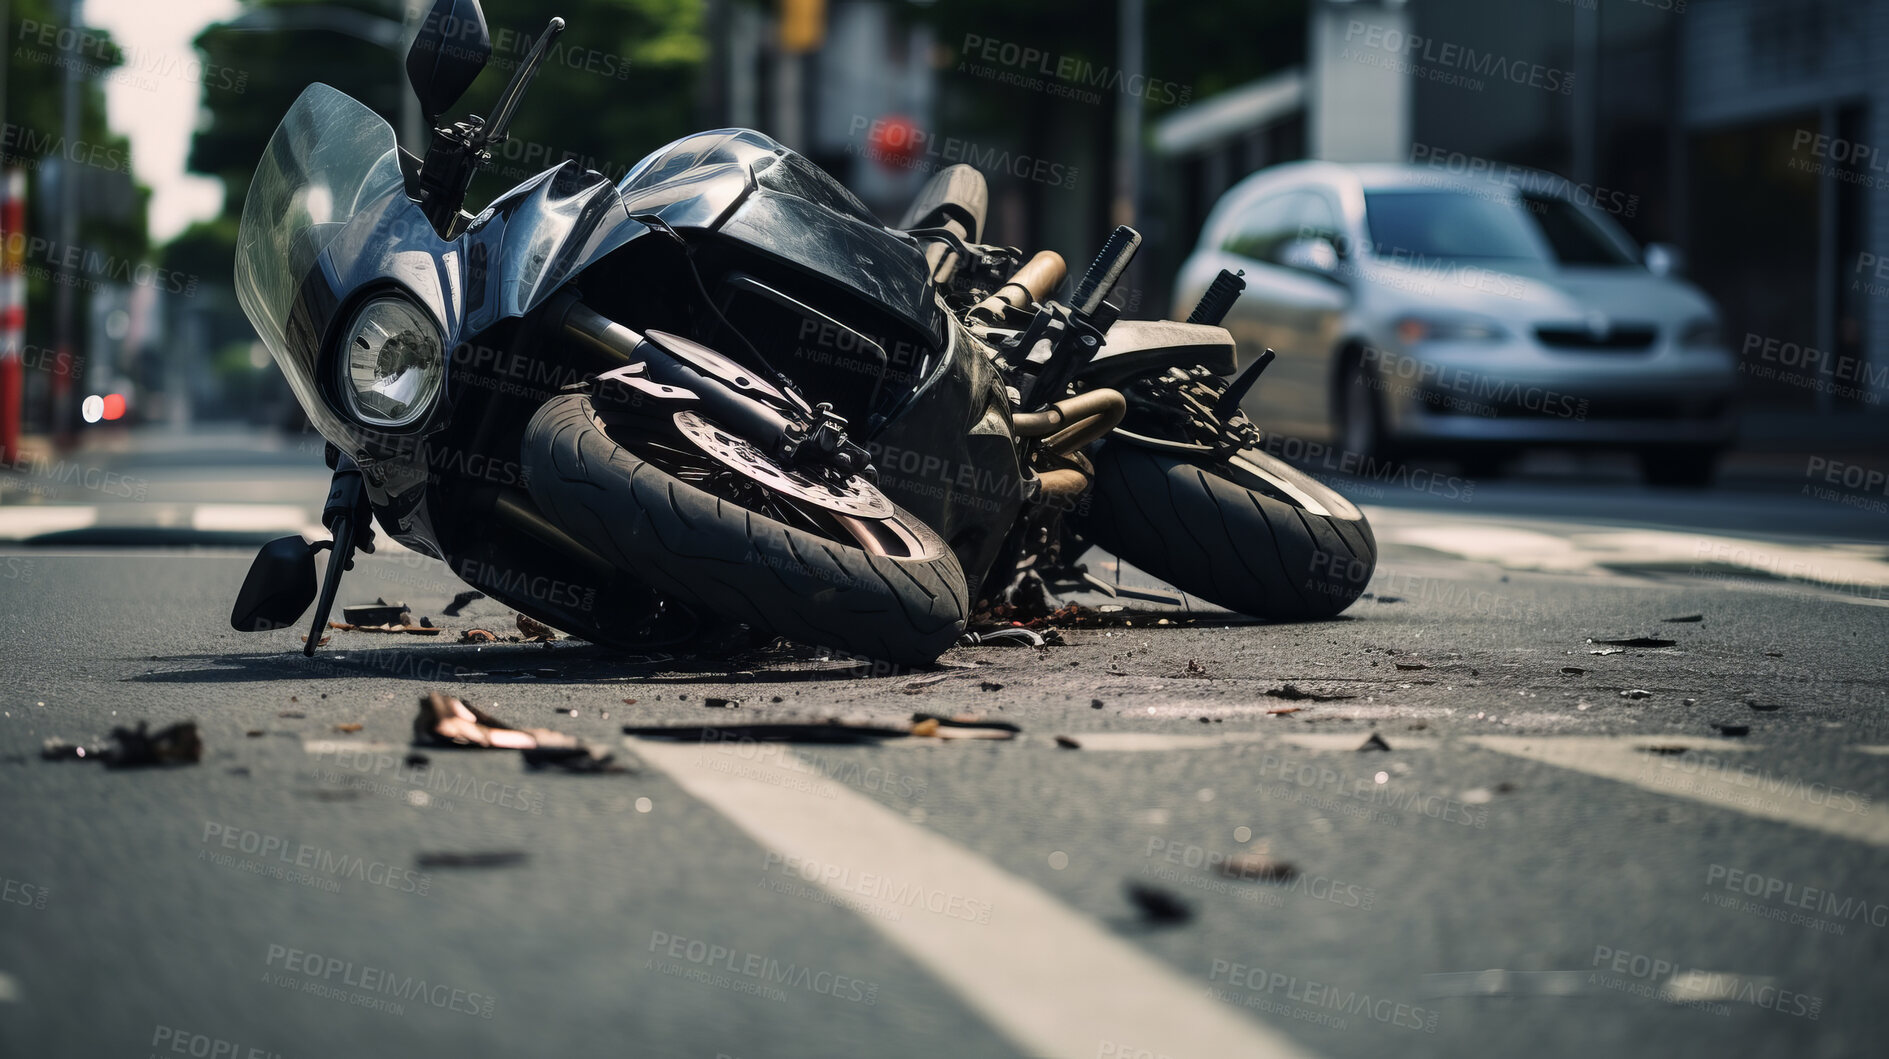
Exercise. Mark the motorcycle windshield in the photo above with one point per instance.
(331, 158)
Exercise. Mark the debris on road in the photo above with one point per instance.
(831, 732)
(487, 859)
(1609, 651)
(536, 630)
(60, 750)
(1376, 742)
(1636, 641)
(1067, 743)
(447, 721)
(582, 758)
(1281, 711)
(1688, 619)
(1095, 704)
(1733, 729)
(477, 636)
(349, 727)
(379, 612)
(459, 602)
(1257, 865)
(916, 686)
(962, 727)
(1664, 751)
(1411, 665)
(1293, 693)
(1157, 905)
(990, 685)
(721, 704)
(179, 744)
(1573, 671)
(1636, 693)
(1014, 636)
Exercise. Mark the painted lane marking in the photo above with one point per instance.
(1048, 978)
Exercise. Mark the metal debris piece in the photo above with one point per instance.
(1376, 742)
(1256, 865)
(1609, 651)
(447, 721)
(459, 602)
(1157, 905)
(1636, 693)
(486, 859)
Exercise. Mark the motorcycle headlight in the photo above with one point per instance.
(393, 363)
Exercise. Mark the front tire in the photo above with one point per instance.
(721, 551)
(1251, 534)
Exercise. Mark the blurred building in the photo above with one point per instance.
(1746, 132)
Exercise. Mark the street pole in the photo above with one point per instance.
(63, 307)
(1128, 115)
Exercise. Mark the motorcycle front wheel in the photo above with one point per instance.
(1248, 533)
(697, 532)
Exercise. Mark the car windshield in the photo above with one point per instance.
(1415, 225)
(329, 159)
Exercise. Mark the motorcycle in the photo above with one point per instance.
(720, 391)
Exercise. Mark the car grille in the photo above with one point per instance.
(1618, 338)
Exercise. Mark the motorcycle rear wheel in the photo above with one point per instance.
(1251, 534)
(692, 531)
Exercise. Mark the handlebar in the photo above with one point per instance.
(1034, 282)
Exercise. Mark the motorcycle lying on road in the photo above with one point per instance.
(720, 391)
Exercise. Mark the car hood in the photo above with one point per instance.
(1536, 293)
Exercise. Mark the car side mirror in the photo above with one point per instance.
(280, 586)
(1663, 259)
(448, 52)
(1310, 254)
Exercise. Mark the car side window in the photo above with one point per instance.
(1265, 226)
(1319, 220)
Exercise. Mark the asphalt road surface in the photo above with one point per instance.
(1556, 847)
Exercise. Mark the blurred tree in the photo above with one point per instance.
(34, 134)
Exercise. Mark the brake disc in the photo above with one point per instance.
(853, 495)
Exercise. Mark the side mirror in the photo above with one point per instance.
(280, 586)
(450, 49)
(1311, 254)
(1663, 259)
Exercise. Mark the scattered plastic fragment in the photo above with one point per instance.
(459, 602)
(1684, 620)
(447, 721)
(349, 727)
(1293, 693)
(486, 859)
(535, 629)
(1636, 693)
(1609, 651)
(179, 744)
(1157, 905)
(1067, 743)
(379, 612)
(477, 636)
(1636, 641)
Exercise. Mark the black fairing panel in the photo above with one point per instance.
(948, 457)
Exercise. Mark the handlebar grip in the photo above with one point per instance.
(1106, 270)
(1220, 296)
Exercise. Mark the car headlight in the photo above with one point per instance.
(1702, 333)
(1414, 329)
(394, 363)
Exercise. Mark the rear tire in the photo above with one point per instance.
(710, 552)
(1228, 535)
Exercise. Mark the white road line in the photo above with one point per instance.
(1708, 772)
(19, 523)
(288, 518)
(1051, 980)
(1155, 741)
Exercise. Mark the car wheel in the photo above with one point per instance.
(1689, 466)
(1360, 417)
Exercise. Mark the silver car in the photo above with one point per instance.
(1416, 312)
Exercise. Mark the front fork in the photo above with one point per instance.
(350, 520)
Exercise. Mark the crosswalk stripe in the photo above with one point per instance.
(1048, 978)
(1707, 771)
(19, 523)
(1158, 741)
